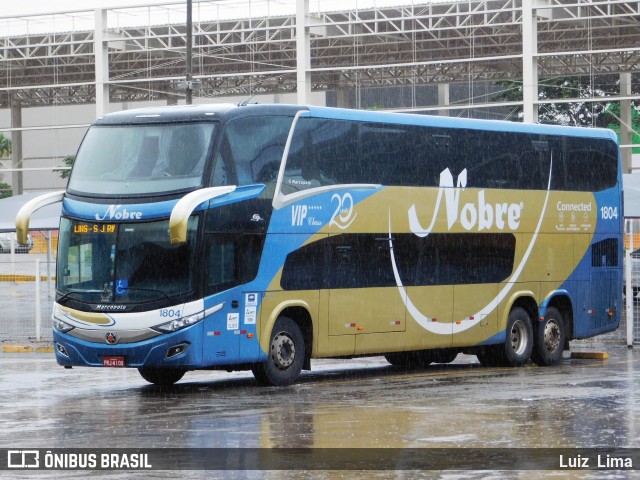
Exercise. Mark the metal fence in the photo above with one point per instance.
(632, 283)
(27, 293)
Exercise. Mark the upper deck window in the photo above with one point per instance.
(142, 159)
(327, 152)
(251, 150)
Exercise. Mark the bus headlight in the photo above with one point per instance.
(58, 321)
(60, 326)
(179, 323)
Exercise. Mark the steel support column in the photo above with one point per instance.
(529, 63)
(303, 52)
(625, 122)
(443, 98)
(101, 55)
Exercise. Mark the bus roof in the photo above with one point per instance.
(191, 113)
(454, 122)
(224, 112)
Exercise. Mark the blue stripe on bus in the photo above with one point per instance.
(148, 211)
(449, 122)
(117, 211)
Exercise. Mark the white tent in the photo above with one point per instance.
(47, 218)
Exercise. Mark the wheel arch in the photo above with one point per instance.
(299, 312)
(561, 300)
(526, 300)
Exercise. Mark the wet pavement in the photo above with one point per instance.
(360, 403)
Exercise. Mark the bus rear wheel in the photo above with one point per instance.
(162, 376)
(517, 347)
(550, 339)
(412, 359)
(285, 357)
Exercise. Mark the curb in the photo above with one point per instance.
(590, 355)
(26, 349)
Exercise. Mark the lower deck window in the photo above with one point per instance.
(364, 260)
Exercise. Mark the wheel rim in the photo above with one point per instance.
(283, 351)
(519, 337)
(552, 335)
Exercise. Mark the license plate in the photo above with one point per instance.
(113, 362)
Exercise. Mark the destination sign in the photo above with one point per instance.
(94, 228)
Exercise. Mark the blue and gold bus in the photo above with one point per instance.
(262, 236)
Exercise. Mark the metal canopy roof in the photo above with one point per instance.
(419, 44)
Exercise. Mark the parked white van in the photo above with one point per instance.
(5, 243)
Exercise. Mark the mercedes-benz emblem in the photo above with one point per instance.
(111, 338)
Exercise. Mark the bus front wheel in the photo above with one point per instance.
(161, 376)
(518, 345)
(285, 357)
(550, 339)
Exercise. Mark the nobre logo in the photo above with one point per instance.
(479, 215)
(115, 212)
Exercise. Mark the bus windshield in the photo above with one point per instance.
(142, 159)
(109, 262)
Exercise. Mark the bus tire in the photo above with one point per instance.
(399, 359)
(443, 355)
(285, 357)
(162, 376)
(411, 359)
(517, 347)
(550, 339)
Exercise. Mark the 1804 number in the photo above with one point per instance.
(609, 213)
(169, 313)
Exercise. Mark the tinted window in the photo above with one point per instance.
(364, 260)
(326, 152)
(455, 258)
(232, 260)
(605, 253)
(123, 263)
(585, 164)
(322, 152)
(251, 150)
(142, 159)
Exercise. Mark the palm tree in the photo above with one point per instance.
(5, 146)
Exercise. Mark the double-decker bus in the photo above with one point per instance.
(262, 236)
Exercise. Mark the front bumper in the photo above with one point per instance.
(159, 351)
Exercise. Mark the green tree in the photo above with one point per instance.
(613, 114)
(5, 190)
(5, 146)
(68, 161)
(5, 151)
(578, 113)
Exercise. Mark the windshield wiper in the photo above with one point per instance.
(79, 290)
(149, 290)
(95, 290)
